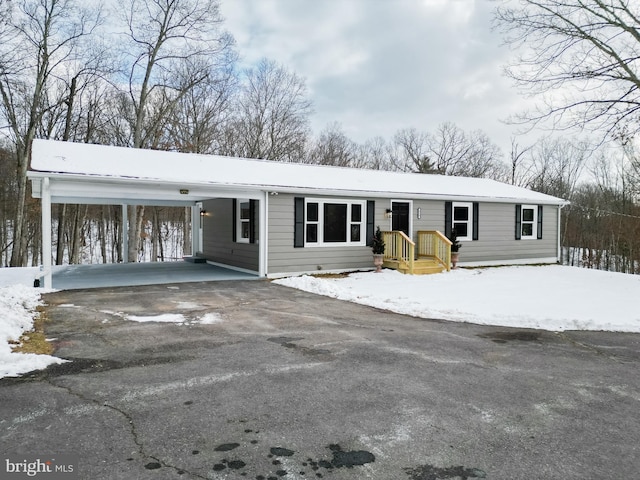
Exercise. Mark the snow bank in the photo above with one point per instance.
(17, 309)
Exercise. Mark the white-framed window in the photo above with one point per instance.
(243, 220)
(462, 220)
(331, 222)
(529, 222)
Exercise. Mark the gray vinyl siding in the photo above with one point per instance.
(284, 258)
(497, 236)
(496, 232)
(217, 238)
(496, 242)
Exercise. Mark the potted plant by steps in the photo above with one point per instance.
(378, 249)
(455, 246)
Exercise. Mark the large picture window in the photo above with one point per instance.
(334, 222)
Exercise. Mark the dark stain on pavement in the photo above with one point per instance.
(75, 366)
(226, 447)
(287, 342)
(281, 457)
(429, 472)
(504, 337)
(281, 452)
(350, 459)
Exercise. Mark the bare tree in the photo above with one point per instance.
(520, 168)
(411, 153)
(39, 40)
(332, 147)
(200, 118)
(374, 154)
(273, 110)
(173, 46)
(557, 165)
(448, 151)
(582, 56)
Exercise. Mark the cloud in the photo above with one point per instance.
(377, 66)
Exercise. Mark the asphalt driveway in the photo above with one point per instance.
(285, 384)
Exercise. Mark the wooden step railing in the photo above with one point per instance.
(400, 248)
(433, 244)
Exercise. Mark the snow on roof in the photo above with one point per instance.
(101, 161)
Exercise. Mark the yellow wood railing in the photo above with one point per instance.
(399, 247)
(434, 244)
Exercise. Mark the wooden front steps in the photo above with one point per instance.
(421, 266)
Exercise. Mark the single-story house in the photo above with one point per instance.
(277, 218)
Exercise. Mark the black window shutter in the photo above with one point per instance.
(234, 219)
(539, 222)
(298, 228)
(371, 219)
(448, 218)
(518, 222)
(476, 211)
(253, 220)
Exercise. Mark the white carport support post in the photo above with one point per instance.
(46, 234)
(196, 229)
(125, 234)
(263, 247)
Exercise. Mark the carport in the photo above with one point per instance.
(79, 178)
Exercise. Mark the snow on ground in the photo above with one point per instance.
(552, 298)
(17, 310)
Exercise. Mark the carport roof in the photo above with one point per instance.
(117, 166)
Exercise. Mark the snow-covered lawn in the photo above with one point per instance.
(552, 298)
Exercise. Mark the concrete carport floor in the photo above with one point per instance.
(285, 384)
(72, 277)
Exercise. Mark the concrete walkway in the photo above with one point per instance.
(74, 277)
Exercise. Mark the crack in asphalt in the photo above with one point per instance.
(132, 428)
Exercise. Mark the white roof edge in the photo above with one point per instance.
(299, 191)
(121, 165)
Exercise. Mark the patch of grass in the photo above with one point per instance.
(334, 275)
(35, 341)
(330, 275)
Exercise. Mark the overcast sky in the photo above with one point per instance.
(376, 66)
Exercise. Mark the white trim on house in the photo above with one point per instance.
(234, 268)
(263, 235)
(242, 222)
(469, 221)
(533, 222)
(518, 261)
(320, 224)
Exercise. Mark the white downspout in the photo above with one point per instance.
(46, 234)
(559, 249)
